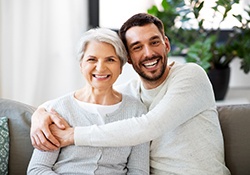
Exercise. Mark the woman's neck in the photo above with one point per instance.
(96, 96)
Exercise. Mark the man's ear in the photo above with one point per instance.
(168, 46)
(129, 60)
(121, 71)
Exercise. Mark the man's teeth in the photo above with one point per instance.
(150, 64)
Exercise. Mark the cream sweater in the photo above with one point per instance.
(182, 122)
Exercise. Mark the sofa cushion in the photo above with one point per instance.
(235, 124)
(4, 145)
(19, 116)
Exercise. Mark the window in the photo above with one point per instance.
(112, 13)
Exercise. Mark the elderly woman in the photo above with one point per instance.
(101, 57)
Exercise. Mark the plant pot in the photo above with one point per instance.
(220, 81)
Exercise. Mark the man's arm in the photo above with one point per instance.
(40, 134)
(189, 93)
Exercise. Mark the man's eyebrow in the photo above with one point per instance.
(154, 37)
(150, 39)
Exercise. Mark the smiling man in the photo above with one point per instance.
(182, 123)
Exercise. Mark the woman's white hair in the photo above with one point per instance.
(103, 35)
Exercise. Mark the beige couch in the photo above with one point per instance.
(235, 123)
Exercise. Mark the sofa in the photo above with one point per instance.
(234, 120)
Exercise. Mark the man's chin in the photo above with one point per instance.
(151, 77)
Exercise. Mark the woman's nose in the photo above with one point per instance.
(100, 66)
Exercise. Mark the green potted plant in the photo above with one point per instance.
(185, 27)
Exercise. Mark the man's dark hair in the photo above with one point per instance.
(139, 19)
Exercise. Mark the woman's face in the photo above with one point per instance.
(100, 65)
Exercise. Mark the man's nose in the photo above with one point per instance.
(148, 52)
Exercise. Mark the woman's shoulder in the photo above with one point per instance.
(128, 98)
(132, 101)
(59, 101)
(131, 107)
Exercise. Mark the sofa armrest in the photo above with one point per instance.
(19, 116)
(235, 125)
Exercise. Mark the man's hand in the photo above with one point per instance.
(64, 136)
(40, 134)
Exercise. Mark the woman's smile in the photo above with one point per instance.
(101, 77)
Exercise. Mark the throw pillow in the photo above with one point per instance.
(4, 145)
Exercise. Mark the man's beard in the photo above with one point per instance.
(153, 77)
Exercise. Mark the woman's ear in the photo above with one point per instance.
(80, 64)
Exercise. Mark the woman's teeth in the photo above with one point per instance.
(101, 76)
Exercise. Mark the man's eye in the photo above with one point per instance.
(136, 48)
(155, 42)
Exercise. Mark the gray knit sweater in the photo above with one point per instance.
(92, 160)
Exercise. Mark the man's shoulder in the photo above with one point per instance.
(130, 88)
(189, 65)
(187, 70)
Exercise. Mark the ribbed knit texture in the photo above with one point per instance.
(92, 160)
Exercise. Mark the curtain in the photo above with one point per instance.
(38, 43)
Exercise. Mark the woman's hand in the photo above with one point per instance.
(40, 134)
(64, 136)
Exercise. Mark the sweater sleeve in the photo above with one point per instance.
(189, 92)
(42, 162)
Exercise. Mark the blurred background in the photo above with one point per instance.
(39, 38)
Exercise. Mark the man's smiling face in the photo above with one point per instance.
(148, 51)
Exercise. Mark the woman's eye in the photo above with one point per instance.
(90, 59)
(111, 59)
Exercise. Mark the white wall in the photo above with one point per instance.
(114, 12)
(38, 48)
(238, 78)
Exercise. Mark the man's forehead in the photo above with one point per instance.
(142, 33)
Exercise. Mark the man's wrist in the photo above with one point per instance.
(68, 139)
(82, 136)
(72, 136)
